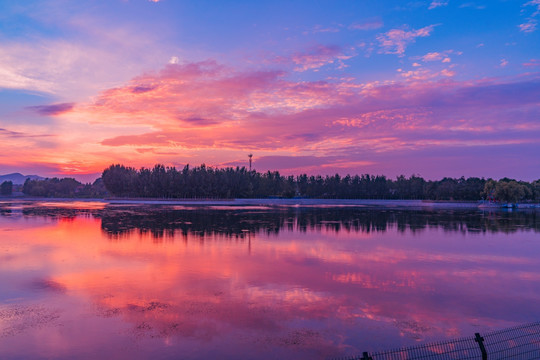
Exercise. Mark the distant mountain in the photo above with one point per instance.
(18, 179)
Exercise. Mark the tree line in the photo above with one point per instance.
(202, 182)
(226, 183)
(65, 187)
(203, 222)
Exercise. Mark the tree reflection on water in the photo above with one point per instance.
(257, 281)
(164, 221)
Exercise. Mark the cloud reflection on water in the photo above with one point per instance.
(293, 282)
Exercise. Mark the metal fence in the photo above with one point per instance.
(519, 342)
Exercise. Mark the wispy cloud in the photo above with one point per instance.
(12, 76)
(529, 26)
(318, 57)
(534, 3)
(472, 5)
(531, 23)
(96, 55)
(437, 3)
(532, 63)
(25, 139)
(372, 24)
(318, 29)
(18, 134)
(395, 41)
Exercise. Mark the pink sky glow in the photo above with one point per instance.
(367, 95)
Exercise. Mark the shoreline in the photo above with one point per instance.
(298, 202)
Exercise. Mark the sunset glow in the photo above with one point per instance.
(435, 88)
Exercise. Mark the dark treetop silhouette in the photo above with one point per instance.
(207, 182)
(227, 183)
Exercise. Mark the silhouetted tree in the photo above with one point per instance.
(121, 180)
(6, 188)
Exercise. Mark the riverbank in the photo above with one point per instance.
(299, 202)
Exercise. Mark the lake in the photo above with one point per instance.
(87, 280)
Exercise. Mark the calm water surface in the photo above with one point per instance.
(92, 280)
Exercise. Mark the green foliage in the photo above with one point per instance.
(6, 188)
(488, 192)
(511, 191)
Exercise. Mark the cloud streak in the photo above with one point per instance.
(20, 135)
(53, 109)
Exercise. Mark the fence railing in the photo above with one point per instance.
(519, 342)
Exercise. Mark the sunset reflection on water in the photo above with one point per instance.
(167, 282)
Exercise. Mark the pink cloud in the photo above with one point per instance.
(529, 26)
(77, 69)
(395, 41)
(207, 112)
(447, 72)
(434, 56)
(318, 57)
(422, 74)
(532, 63)
(271, 107)
(442, 56)
(367, 25)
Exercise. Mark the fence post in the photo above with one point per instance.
(480, 341)
(365, 356)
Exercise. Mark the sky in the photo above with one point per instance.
(434, 88)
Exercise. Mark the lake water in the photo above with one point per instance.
(94, 280)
